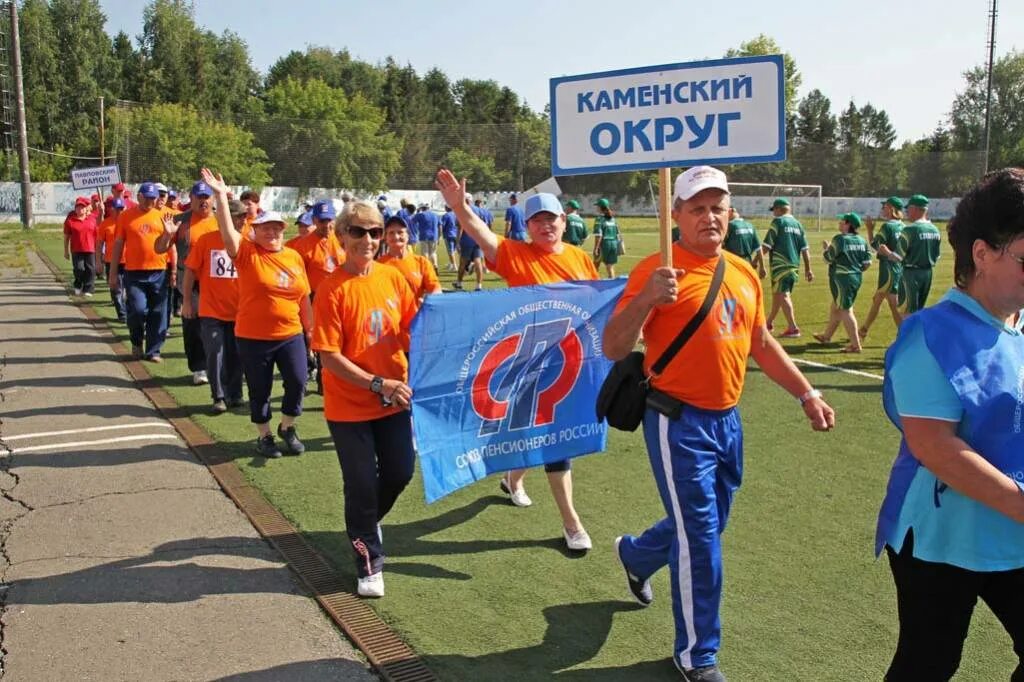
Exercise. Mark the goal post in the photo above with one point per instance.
(755, 199)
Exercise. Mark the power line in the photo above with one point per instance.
(67, 156)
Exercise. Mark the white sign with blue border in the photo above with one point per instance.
(97, 176)
(718, 111)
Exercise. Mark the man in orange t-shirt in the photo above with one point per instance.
(303, 226)
(188, 228)
(692, 429)
(106, 233)
(208, 264)
(417, 270)
(544, 259)
(145, 274)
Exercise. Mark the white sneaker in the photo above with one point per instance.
(199, 378)
(88, 294)
(518, 496)
(371, 585)
(78, 292)
(578, 541)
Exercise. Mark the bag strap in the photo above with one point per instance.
(695, 322)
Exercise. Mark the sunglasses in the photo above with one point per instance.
(359, 232)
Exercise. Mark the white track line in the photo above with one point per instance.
(92, 429)
(81, 443)
(854, 372)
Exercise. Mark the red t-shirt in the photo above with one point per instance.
(82, 233)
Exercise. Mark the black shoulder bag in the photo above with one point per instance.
(626, 391)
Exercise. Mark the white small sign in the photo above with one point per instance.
(549, 186)
(99, 176)
(718, 111)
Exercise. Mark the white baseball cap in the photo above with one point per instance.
(698, 179)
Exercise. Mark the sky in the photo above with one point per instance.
(904, 56)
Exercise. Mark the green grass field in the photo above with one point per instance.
(485, 591)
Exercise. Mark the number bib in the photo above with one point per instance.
(221, 265)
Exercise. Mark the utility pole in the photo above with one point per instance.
(19, 95)
(992, 14)
(103, 153)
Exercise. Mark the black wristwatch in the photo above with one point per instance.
(376, 384)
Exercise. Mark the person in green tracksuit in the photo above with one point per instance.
(575, 227)
(923, 241)
(787, 244)
(741, 239)
(606, 237)
(847, 256)
(890, 248)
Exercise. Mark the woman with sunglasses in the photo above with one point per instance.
(952, 522)
(274, 318)
(363, 313)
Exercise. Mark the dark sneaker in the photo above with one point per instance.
(137, 352)
(219, 407)
(266, 447)
(708, 673)
(291, 440)
(640, 589)
(235, 402)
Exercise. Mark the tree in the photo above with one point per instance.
(967, 116)
(479, 170)
(814, 140)
(764, 45)
(168, 44)
(317, 136)
(171, 142)
(40, 73)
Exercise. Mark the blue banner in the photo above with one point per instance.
(507, 379)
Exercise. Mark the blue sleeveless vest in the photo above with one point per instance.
(985, 367)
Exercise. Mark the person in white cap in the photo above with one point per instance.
(544, 259)
(691, 426)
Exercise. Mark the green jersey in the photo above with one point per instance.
(847, 254)
(786, 240)
(575, 229)
(890, 235)
(606, 229)
(923, 241)
(741, 239)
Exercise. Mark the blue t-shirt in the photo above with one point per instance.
(449, 228)
(413, 238)
(950, 527)
(426, 224)
(515, 222)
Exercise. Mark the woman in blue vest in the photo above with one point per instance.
(952, 522)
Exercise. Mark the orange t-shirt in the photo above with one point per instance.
(522, 263)
(271, 285)
(217, 277)
(106, 231)
(708, 372)
(322, 256)
(417, 270)
(139, 230)
(197, 228)
(366, 319)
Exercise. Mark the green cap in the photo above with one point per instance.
(603, 203)
(919, 200)
(895, 202)
(575, 204)
(851, 218)
(780, 202)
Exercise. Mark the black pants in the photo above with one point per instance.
(935, 603)
(377, 461)
(84, 268)
(192, 333)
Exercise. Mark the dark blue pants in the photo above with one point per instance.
(192, 337)
(146, 304)
(259, 359)
(117, 299)
(697, 462)
(83, 265)
(377, 461)
(223, 367)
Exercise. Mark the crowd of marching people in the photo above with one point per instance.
(334, 303)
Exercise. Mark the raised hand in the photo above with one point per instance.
(216, 182)
(170, 226)
(453, 191)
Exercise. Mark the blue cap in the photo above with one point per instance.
(149, 190)
(323, 210)
(173, 193)
(201, 189)
(117, 203)
(305, 219)
(382, 197)
(512, 196)
(397, 218)
(537, 203)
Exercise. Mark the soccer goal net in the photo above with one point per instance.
(754, 199)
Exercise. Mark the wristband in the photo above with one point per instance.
(810, 395)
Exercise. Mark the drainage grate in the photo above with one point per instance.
(393, 658)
